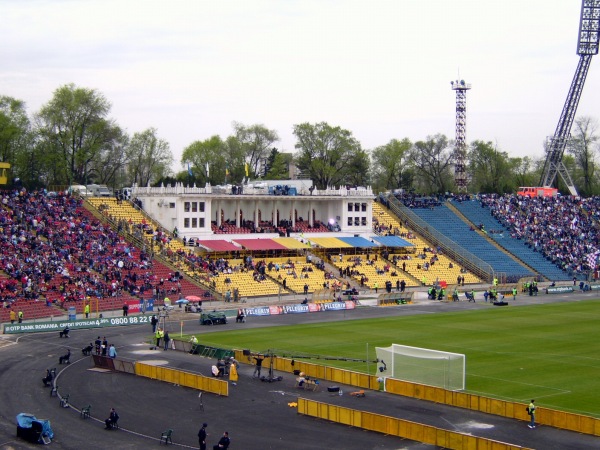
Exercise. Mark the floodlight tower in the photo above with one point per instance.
(587, 46)
(460, 149)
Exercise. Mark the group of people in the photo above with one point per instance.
(162, 335)
(54, 250)
(102, 348)
(223, 443)
(560, 228)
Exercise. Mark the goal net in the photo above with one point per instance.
(423, 366)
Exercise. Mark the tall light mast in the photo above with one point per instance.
(460, 149)
(587, 46)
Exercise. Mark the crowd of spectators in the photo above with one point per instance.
(283, 228)
(563, 228)
(412, 200)
(53, 250)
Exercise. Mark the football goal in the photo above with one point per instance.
(422, 365)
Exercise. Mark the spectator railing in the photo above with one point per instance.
(450, 248)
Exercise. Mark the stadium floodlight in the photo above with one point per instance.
(424, 366)
(589, 28)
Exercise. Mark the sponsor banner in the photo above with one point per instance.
(294, 309)
(337, 306)
(59, 325)
(134, 306)
(275, 310)
(314, 307)
(594, 287)
(261, 311)
(138, 306)
(559, 289)
(299, 308)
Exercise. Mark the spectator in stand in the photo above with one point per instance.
(560, 228)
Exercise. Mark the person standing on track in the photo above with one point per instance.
(202, 436)
(531, 411)
(259, 360)
(158, 335)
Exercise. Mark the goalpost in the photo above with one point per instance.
(423, 366)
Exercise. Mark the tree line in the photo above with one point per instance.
(73, 140)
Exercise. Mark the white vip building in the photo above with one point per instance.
(274, 206)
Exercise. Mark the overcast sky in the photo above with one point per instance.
(381, 69)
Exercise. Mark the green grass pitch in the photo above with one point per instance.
(548, 352)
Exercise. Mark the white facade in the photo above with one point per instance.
(192, 210)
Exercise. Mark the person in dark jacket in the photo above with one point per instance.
(202, 436)
(223, 442)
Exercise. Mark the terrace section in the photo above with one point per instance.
(394, 235)
(479, 215)
(446, 222)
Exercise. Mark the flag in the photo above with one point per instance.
(207, 171)
(592, 259)
(246, 168)
(190, 173)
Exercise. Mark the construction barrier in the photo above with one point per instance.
(182, 378)
(398, 427)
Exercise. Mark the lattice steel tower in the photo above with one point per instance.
(587, 46)
(460, 149)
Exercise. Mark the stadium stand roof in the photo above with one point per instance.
(260, 244)
(357, 242)
(391, 241)
(291, 243)
(218, 245)
(329, 242)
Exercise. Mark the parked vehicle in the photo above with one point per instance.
(79, 189)
(99, 190)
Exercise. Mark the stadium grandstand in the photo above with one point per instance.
(61, 250)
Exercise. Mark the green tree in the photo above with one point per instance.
(149, 158)
(256, 142)
(584, 149)
(390, 166)
(207, 159)
(490, 169)
(432, 161)
(524, 172)
(278, 165)
(18, 144)
(330, 155)
(76, 129)
(15, 128)
(110, 165)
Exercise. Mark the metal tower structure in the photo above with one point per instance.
(460, 149)
(587, 46)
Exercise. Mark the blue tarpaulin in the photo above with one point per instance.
(391, 241)
(357, 242)
(27, 420)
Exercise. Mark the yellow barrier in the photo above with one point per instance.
(398, 427)
(514, 410)
(182, 378)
